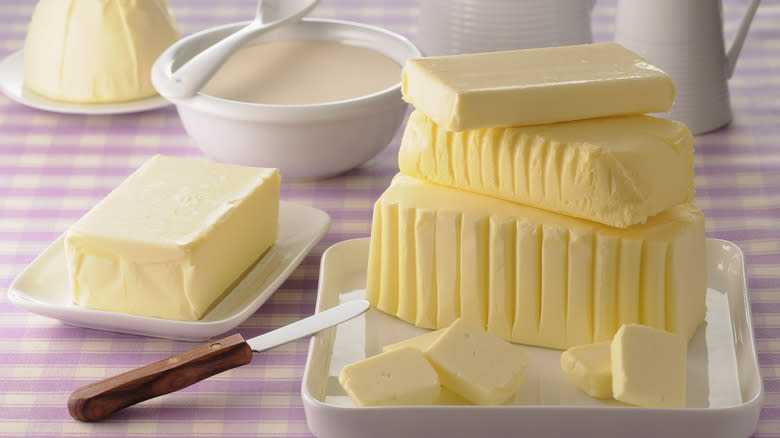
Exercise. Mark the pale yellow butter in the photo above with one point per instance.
(648, 367)
(535, 86)
(94, 51)
(589, 368)
(528, 275)
(399, 377)
(172, 238)
(420, 343)
(476, 365)
(617, 170)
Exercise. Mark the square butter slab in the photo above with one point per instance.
(42, 287)
(724, 385)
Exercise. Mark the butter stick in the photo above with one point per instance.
(613, 170)
(535, 86)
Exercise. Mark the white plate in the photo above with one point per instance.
(43, 286)
(12, 84)
(724, 385)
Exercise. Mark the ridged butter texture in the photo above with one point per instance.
(172, 238)
(535, 86)
(529, 275)
(614, 170)
(94, 51)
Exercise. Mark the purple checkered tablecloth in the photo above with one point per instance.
(54, 167)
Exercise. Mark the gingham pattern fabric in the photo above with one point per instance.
(54, 167)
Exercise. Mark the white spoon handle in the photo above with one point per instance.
(193, 75)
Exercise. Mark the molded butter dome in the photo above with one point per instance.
(96, 51)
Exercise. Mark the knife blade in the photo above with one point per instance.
(100, 399)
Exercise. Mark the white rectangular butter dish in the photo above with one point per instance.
(724, 385)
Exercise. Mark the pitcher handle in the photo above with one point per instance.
(739, 38)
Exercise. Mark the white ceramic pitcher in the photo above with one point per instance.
(685, 39)
(449, 27)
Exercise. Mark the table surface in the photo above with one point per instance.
(55, 167)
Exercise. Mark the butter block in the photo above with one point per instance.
(648, 367)
(172, 238)
(615, 170)
(93, 51)
(399, 377)
(476, 365)
(589, 367)
(535, 86)
(528, 275)
(420, 343)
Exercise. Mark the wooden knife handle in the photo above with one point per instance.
(102, 398)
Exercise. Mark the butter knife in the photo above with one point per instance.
(100, 399)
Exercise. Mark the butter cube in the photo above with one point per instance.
(480, 367)
(172, 238)
(535, 86)
(398, 377)
(589, 368)
(648, 367)
(618, 171)
(420, 343)
(528, 275)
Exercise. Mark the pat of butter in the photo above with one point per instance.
(96, 51)
(172, 238)
(589, 368)
(528, 275)
(420, 343)
(399, 377)
(648, 367)
(535, 86)
(616, 170)
(480, 367)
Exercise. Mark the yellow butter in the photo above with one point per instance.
(535, 86)
(617, 171)
(420, 343)
(399, 377)
(648, 367)
(529, 275)
(172, 238)
(476, 365)
(94, 51)
(589, 368)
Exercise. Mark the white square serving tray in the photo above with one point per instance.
(723, 394)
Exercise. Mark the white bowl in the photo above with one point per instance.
(303, 141)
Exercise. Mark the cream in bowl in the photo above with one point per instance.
(314, 98)
(302, 73)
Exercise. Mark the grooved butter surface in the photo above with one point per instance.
(535, 86)
(616, 170)
(171, 239)
(528, 275)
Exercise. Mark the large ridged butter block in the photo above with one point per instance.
(616, 170)
(172, 238)
(535, 86)
(529, 275)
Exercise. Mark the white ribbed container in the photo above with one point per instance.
(450, 27)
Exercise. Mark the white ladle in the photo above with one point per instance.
(193, 75)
